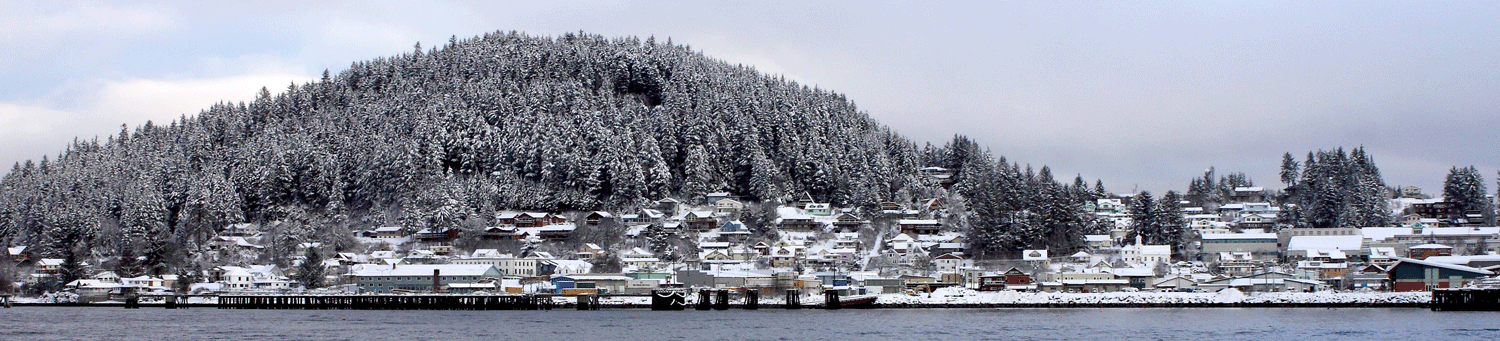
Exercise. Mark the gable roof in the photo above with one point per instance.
(1441, 265)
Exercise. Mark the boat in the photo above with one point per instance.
(857, 302)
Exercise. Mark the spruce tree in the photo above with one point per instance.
(1289, 170)
(1173, 224)
(73, 268)
(1145, 218)
(311, 272)
(1464, 189)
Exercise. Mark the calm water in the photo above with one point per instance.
(48, 323)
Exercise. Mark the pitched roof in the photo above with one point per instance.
(425, 270)
(1441, 265)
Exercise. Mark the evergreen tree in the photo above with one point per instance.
(157, 256)
(311, 272)
(186, 277)
(1464, 188)
(73, 268)
(1174, 226)
(1145, 217)
(129, 264)
(1289, 170)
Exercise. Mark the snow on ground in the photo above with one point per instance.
(967, 296)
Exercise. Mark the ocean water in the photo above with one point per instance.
(98, 323)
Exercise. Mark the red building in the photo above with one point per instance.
(1419, 275)
(1428, 250)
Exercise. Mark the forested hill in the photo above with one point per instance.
(502, 121)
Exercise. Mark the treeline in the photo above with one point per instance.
(1334, 189)
(1011, 208)
(438, 137)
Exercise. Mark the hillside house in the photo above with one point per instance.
(699, 220)
(1248, 194)
(919, 226)
(644, 216)
(590, 251)
(597, 217)
(792, 219)
(529, 219)
(819, 209)
(947, 263)
(669, 207)
(241, 230)
(18, 254)
(390, 232)
(728, 206)
(848, 222)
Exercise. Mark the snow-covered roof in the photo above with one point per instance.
(15, 250)
(1160, 283)
(916, 222)
(595, 277)
(1305, 243)
(1386, 252)
(1330, 254)
(791, 213)
(714, 245)
(1430, 247)
(1463, 260)
(1132, 272)
(1030, 255)
(1249, 189)
(1383, 233)
(424, 270)
(1441, 265)
(1459, 231)
(1096, 238)
(388, 229)
(1224, 236)
(1154, 249)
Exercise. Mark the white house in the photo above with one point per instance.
(1139, 253)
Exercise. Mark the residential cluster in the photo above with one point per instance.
(814, 246)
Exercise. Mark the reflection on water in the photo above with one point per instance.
(49, 323)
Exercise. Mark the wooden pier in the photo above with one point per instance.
(392, 302)
(1466, 300)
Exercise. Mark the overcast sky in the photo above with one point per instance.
(1144, 95)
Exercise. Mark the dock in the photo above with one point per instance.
(390, 302)
(1466, 300)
